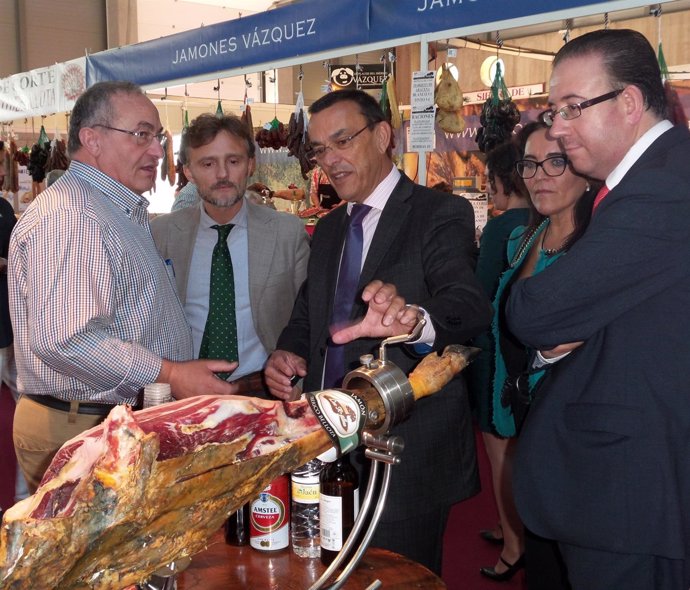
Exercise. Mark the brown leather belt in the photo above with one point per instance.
(251, 384)
(82, 407)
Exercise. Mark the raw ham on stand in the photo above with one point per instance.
(147, 488)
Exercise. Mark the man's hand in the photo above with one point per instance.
(3, 264)
(388, 315)
(560, 350)
(191, 378)
(281, 367)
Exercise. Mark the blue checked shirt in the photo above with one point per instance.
(93, 307)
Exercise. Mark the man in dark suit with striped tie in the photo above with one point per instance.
(414, 246)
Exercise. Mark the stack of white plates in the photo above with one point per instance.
(156, 394)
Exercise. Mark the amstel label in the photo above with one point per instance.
(269, 517)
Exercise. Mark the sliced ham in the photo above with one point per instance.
(148, 488)
(145, 488)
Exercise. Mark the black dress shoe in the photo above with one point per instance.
(488, 535)
(492, 574)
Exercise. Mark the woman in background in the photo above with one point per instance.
(509, 195)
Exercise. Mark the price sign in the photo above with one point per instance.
(423, 112)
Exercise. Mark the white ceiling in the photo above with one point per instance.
(240, 5)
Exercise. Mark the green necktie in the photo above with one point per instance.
(220, 333)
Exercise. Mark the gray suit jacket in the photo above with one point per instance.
(278, 256)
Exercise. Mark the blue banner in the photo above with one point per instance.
(308, 27)
(396, 19)
(305, 28)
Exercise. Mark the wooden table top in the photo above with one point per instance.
(226, 567)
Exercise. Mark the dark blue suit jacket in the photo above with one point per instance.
(424, 244)
(603, 460)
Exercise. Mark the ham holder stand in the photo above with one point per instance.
(395, 391)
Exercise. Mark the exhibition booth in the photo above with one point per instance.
(305, 49)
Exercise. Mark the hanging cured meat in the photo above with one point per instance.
(396, 117)
(274, 135)
(182, 180)
(13, 158)
(246, 117)
(20, 156)
(38, 158)
(499, 116)
(448, 94)
(58, 159)
(449, 101)
(7, 161)
(298, 142)
(168, 168)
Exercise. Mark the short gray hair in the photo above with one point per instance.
(93, 107)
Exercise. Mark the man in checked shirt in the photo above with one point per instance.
(94, 310)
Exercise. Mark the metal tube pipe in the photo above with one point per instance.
(385, 485)
(356, 529)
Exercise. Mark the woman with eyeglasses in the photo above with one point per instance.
(561, 205)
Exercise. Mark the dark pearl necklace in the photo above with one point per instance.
(527, 243)
(549, 251)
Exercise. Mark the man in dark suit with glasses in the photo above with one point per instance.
(602, 462)
(415, 246)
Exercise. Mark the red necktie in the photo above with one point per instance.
(603, 191)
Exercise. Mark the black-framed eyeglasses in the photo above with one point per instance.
(319, 152)
(573, 111)
(144, 138)
(552, 166)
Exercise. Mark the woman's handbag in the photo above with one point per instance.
(515, 394)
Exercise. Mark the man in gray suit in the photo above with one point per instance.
(269, 250)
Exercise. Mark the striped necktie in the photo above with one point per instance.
(220, 334)
(345, 292)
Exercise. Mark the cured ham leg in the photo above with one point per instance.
(430, 375)
(147, 488)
